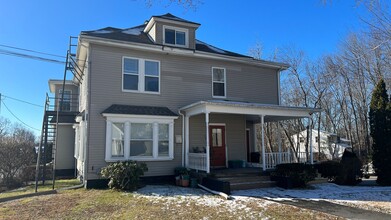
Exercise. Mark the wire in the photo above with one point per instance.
(34, 51)
(10, 53)
(19, 100)
(17, 117)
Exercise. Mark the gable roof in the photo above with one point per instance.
(169, 16)
(138, 110)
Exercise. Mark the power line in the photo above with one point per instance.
(33, 51)
(17, 117)
(19, 100)
(11, 53)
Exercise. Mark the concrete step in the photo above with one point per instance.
(252, 185)
(236, 174)
(243, 179)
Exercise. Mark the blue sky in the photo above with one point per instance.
(45, 26)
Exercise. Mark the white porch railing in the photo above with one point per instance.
(272, 159)
(197, 161)
(302, 157)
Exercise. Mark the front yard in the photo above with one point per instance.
(151, 202)
(171, 202)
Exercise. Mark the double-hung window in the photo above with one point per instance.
(139, 138)
(141, 75)
(219, 82)
(175, 36)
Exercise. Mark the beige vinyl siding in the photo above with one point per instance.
(159, 33)
(235, 127)
(184, 80)
(65, 147)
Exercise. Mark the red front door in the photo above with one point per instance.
(217, 145)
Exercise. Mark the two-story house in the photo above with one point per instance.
(155, 93)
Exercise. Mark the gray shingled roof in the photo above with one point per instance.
(138, 110)
(137, 35)
(174, 18)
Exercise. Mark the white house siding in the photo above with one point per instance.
(184, 80)
(325, 147)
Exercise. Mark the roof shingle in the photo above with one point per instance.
(138, 110)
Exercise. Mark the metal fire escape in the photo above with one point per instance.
(55, 109)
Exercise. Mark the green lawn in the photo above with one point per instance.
(109, 204)
(48, 186)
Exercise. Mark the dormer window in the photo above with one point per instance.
(175, 36)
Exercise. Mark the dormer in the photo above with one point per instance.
(172, 31)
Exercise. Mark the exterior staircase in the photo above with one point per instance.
(244, 178)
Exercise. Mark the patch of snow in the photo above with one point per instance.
(174, 196)
(102, 32)
(373, 198)
(133, 31)
(215, 49)
(367, 197)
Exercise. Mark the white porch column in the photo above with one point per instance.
(187, 140)
(310, 133)
(207, 142)
(263, 143)
(279, 143)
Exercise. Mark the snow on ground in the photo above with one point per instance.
(373, 198)
(184, 196)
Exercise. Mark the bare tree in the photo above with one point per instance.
(16, 153)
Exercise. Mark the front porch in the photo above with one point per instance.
(216, 132)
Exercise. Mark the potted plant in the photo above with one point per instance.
(184, 176)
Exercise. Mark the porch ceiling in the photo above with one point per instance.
(252, 110)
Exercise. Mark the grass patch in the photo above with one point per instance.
(47, 187)
(110, 204)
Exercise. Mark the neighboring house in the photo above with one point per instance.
(155, 93)
(332, 146)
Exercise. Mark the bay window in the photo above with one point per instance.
(139, 138)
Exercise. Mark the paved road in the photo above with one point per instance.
(335, 209)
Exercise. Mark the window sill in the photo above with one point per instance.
(140, 159)
(141, 92)
(176, 45)
(219, 97)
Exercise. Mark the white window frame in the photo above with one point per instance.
(225, 83)
(141, 75)
(176, 29)
(128, 120)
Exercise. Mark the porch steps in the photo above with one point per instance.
(241, 179)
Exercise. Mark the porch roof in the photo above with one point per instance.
(269, 111)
